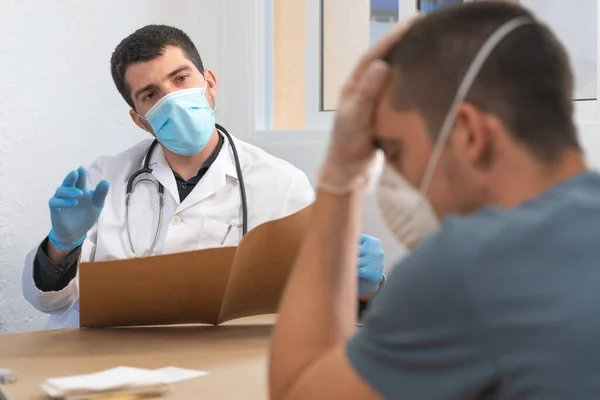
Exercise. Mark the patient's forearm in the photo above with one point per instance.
(318, 310)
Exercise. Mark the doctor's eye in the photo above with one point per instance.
(149, 96)
(182, 78)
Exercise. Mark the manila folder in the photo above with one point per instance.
(207, 286)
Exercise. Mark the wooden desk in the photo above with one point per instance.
(235, 355)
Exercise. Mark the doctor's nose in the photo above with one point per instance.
(165, 90)
(168, 89)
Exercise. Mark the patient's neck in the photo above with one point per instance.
(525, 180)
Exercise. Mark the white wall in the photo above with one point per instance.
(59, 109)
(589, 134)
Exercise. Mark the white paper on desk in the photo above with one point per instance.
(109, 379)
(116, 379)
(170, 375)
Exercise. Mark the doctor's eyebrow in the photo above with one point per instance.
(178, 70)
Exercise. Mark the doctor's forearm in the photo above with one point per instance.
(50, 276)
(318, 310)
(56, 254)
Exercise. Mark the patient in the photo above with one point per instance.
(485, 180)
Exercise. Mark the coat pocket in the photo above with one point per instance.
(218, 234)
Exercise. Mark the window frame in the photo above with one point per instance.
(317, 119)
(263, 65)
(588, 111)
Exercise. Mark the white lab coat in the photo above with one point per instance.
(274, 189)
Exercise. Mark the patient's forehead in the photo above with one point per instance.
(397, 124)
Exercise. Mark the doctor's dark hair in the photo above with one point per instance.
(526, 81)
(146, 44)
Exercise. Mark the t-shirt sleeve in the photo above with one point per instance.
(421, 338)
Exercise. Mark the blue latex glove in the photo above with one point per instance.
(74, 210)
(370, 264)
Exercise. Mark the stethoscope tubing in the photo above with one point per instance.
(131, 183)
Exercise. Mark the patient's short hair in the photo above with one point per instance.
(526, 81)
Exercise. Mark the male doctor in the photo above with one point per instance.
(159, 73)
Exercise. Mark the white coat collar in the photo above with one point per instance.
(226, 152)
(162, 171)
(215, 178)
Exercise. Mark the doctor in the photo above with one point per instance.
(190, 187)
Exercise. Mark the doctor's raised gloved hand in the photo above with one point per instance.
(74, 210)
(370, 264)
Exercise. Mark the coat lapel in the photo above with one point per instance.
(163, 173)
(214, 180)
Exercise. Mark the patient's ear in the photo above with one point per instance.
(474, 135)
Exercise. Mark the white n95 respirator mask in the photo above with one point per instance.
(405, 209)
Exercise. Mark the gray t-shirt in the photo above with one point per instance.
(502, 304)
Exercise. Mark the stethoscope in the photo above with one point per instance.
(132, 183)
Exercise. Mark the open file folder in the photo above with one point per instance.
(208, 286)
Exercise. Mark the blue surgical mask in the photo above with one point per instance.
(183, 121)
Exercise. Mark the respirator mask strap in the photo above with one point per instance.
(463, 90)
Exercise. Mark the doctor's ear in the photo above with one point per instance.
(141, 122)
(211, 81)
